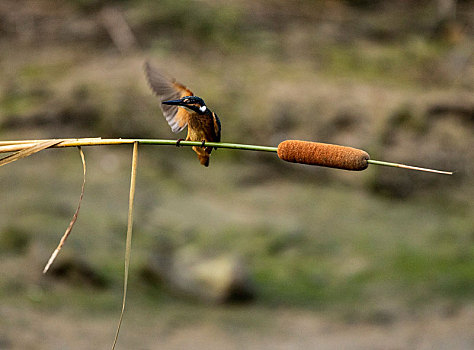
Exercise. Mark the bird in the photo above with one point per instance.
(182, 108)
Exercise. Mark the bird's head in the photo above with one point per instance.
(194, 103)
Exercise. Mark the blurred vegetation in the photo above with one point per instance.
(395, 78)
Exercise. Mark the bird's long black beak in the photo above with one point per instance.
(174, 102)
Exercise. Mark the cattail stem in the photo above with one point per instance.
(12, 146)
(410, 167)
(313, 153)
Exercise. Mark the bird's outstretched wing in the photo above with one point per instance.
(169, 89)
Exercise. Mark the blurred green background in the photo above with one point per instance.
(327, 258)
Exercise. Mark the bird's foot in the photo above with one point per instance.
(203, 143)
(178, 142)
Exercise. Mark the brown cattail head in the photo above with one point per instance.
(323, 154)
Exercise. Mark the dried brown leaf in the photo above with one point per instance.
(29, 151)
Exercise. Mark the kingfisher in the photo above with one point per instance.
(181, 108)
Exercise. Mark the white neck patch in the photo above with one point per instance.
(202, 108)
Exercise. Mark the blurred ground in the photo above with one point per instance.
(378, 259)
(234, 329)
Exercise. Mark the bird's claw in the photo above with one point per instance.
(203, 143)
(178, 142)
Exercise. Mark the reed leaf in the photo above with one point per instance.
(74, 218)
(128, 245)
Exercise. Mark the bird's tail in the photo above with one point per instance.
(203, 155)
(204, 159)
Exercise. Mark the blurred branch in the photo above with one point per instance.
(118, 29)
